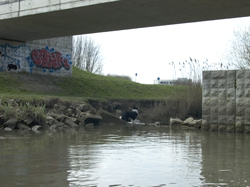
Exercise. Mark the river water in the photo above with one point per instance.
(124, 156)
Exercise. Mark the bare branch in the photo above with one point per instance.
(238, 53)
(87, 54)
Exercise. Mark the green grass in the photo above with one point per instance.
(8, 84)
(86, 85)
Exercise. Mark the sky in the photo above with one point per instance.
(148, 51)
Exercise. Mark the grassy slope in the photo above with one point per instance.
(83, 84)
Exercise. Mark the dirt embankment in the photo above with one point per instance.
(57, 114)
(147, 109)
(150, 111)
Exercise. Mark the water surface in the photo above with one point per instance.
(124, 156)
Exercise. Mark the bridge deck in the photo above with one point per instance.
(107, 15)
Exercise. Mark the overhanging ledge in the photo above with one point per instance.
(117, 15)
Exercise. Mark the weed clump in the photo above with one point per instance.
(182, 105)
(22, 110)
(126, 77)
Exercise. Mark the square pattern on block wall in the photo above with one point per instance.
(218, 100)
(242, 101)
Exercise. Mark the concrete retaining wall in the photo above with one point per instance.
(226, 100)
(49, 56)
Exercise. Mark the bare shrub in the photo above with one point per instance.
(161, 111)
(237, 53)
(182, 105)
(120, 77)
(87, 54)
(192, 68)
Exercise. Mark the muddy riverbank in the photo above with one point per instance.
(56, 114)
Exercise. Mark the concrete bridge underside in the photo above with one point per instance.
(110, 15)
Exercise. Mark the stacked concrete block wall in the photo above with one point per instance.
(47, 57)
(243, 101)
(226, 101)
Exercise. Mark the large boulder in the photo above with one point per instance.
(188, 120)
(92, 117)
(11, 123)
(176, 122)
(196, 123)
(60, 126)
(35, 128)
(50, 120)
(71, 123)
(70, 112)
(56, 116)
(23, 127)
(29, 121)
(110, 118)
(7, 129)
(52, 127)
(82, 116)
(1, 118)
(84, 107)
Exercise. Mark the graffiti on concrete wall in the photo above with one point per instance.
(1, 60)
(11, 55)
(50, 59)
(14, 58)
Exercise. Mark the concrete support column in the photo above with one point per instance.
(242, 101)
(218, 100)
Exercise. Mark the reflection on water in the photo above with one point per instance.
(124, 156)
(136, 157)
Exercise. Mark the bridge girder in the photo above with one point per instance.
(119, 15)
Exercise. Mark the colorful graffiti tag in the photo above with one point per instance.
(50, 59)
(1, 60)
(45, 58)
(11, 55)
